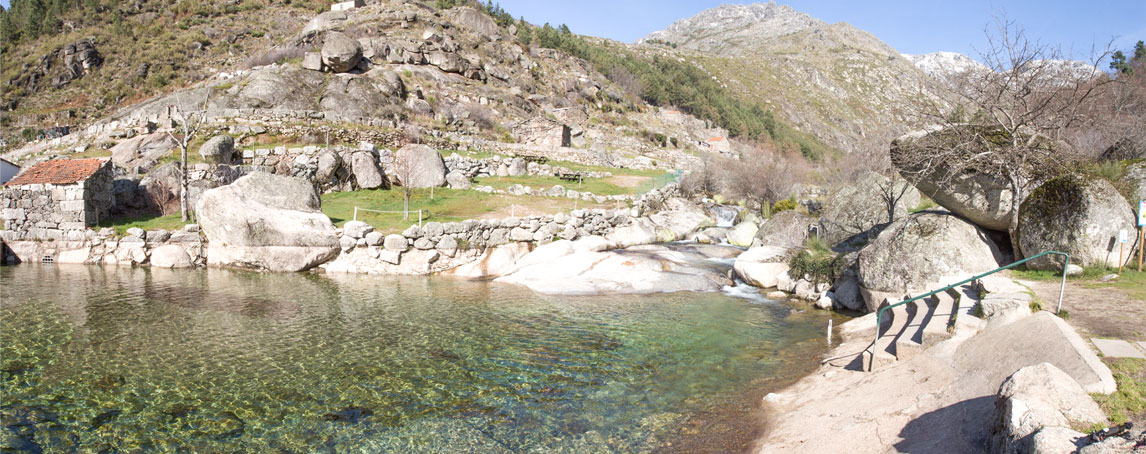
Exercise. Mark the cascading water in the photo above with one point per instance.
(725, 215)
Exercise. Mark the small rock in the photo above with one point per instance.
(1073, 270)
(776, 295)
(375, 239)
(1109, 277)
(424, 244)
(356, 229)
(824, 302)
(137, 232)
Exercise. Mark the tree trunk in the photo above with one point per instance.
(1013, 225)
(183, 184)
(405, 203)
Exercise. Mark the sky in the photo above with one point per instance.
(911, 27)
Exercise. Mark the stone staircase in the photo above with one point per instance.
(910, 329)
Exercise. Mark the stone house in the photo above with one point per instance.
(718, 144)
(57, 200)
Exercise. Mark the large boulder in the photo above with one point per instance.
(742, 234)
(786, 229)
(856, 209)
(921, 251)
(219, 149)
(939, 161)
(761, 266)
(170, 256)
(366, 172)
(419, 166)
(1078, 215)
(639, 231)
(457, 180)
(340, 52)
(1037, 398)
(140, 154)
(266, 222)
(518, 167)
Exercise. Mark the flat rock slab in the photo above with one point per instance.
(1117, 348)
(1142, 345)
(995, 354)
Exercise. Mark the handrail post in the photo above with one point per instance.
(355, 213)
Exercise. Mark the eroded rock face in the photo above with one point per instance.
(266, 222)
(920, 251)
(983, 198)
(856, 209)
(1038, 398)
(1080, 216)
(477, 22)
(419, 166)
(340, 52)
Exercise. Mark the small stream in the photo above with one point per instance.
(136, 359)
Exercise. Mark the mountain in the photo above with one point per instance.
(942, 65)
(832, 80)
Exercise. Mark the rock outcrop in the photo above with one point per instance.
(580, 268)
(419, 166)
(340, 52)
(742, 234)
(920, 251)
(1080, 216)
(140, 154)
(266, 222)
(1036, 400)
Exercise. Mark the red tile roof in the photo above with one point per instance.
(61, 171)
(715, 139)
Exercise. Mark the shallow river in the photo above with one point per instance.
(123, 359)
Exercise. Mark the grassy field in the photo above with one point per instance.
(170, 222)
(596, 186)
(1129, 402)
(1132, 282)
(448, 205)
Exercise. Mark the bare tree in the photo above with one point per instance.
(1019, 110)
(761, 174)
(189, 125)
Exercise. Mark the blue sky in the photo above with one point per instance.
(913, 27)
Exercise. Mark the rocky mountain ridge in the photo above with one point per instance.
(835, 81)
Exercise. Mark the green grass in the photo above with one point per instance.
(448, 205)
(1129, 401)
(169, 222)
(925, 203)
(1132, 282)
(596, 186)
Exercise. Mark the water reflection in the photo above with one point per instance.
(216, 360)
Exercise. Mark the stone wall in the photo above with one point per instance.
(178, 249)
(56, 211)
(509, 166)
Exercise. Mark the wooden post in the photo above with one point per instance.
(1120, 257)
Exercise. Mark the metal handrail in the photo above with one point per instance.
(879, 314)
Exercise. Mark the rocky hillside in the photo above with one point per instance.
(835, 81)
(386, 72)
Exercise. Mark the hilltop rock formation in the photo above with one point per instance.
(266, 222)
(919, 251)
(1077, 215)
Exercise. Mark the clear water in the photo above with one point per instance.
(119, 359)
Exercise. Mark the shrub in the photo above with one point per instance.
(784, 205)
(817, 261)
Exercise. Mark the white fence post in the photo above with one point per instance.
(355, 213)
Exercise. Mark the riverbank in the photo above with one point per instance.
(941, 400)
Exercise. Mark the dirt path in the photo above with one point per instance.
(627, 181)
(1096, 310)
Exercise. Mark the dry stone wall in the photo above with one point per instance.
(55, 211)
